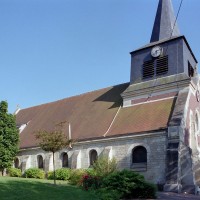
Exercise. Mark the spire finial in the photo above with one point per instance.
(164, 22)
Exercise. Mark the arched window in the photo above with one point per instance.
(40, 162)
(65, 160)
(93, 156)
(139, 155)
(16, 163)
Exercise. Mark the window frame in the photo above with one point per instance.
(40, 164)
(16, 165)
(140, 165)
(65, 163)
(91, 160)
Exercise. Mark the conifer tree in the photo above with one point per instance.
(9, 137)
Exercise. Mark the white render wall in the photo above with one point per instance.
(120, 149)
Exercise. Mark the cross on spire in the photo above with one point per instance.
(164, 22)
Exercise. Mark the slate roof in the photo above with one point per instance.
(91, 114)
(164, 25)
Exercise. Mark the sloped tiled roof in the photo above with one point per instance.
(143, 117)
(91, 114)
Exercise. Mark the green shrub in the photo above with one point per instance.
(63, 174)
(34, 173)
(104, 166)
(104, 194)
(143, 191)
(60, 174)
(50, 175)
(129, 185)
(76, 176)
(14, 172)
(91, 172)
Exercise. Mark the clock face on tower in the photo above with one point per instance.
(156, 51)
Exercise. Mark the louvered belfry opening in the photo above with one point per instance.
(155, 67)
(148, 69)
(190, 70)
(161, 65)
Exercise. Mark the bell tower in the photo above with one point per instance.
(166, 68)
(164, 65)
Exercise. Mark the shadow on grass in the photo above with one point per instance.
(26, 189)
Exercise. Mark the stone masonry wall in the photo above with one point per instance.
(120, 148)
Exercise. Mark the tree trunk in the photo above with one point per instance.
(54, 171)
(3, 172)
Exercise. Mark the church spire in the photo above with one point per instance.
(164, 22)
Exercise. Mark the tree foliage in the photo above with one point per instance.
(9, 137)
(104, 166)
(52, 141)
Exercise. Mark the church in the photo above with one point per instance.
(150, 124)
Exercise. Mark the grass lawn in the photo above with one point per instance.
(35, 189)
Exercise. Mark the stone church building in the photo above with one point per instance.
(150, 124)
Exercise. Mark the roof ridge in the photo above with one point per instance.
(74, 96)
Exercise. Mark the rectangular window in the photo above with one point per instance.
(162, 65)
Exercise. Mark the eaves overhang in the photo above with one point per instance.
(165, 41)
(113, 137)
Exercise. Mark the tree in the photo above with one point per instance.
(52, 141)
(9, 137)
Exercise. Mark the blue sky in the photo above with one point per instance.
(53, 49)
